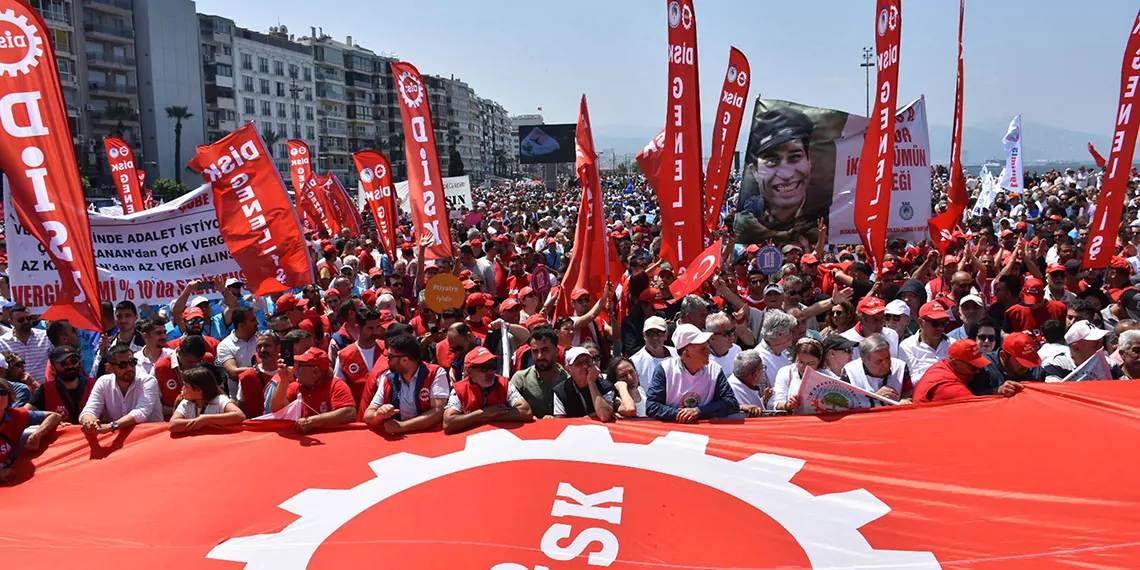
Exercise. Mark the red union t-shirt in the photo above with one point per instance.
(325, 396)
(1020, 317)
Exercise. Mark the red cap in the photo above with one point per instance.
(477, 356)
(1118, 262)
(332, 293)
(578, 293)
(752, 249)
(328, 249)
(465, 274)
(653, 297)
(809, 259)
(406, 246)
(551, 240)
(508, 304)
(1021, 226)
(476, 244)
(1055, 268)
(524, 292)
(315, 357)
(949, 260)
(289, 301)
(192, 312)
(368, 296)
(1022, 348)
(468, 284)
(535, 320)
(967, 350)
(375, 271)
(933, 310)
(1055, 218)
(480, 300)
(871, 306)
(1006, 233)
(386, 317)
(1032, 290)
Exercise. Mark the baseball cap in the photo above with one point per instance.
(508, 305)
(289, 301)
(967, 351)
(328, 249)
(315, 357)
(1118, 262)
(525, 291)
(687, 334)
(791, 247)
(332, 293)
(535, 320)
(478, 355)
(578, 293)
(431, 264)
(653, 297)
(809, 259)
(1022, 348)
(405, 246)
(665, 266)
(933, 310)
(57, 354)
(576, 353)
(898, 307)
(198, 301)
(773, 287)
(654, 323)
(1031, 292)
(375, 272)
(871, 306)
(752, 249)
(368, 296)
(949, 260)
(480, 299)
(469, 284)
(476, 244)
(1055, 268)
(837, 342)
(193, 313)
(972, 299)
(234, 281)
(1006, 233)
(1083, 330)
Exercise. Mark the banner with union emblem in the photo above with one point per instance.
(821, 394)
(121, 159)
(376, 180)
(37, 157)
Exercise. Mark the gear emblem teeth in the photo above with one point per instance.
(825, 526)
(34, 47)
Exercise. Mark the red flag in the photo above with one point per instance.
(121, 159)
(342, 204)
(1100, 162)
(680, 189)
(255, 216)
(425, 183)
(699, 271)
(1110, 207)
(942, 225)
(148, 195)
(317, 199)
(593, 261)
(301, 171)
(729, 114)
(38, 161)
(649, 159)
(877, 162)
(376, 177)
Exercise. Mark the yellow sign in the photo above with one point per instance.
(444, 291)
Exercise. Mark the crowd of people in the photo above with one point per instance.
(1008, 304)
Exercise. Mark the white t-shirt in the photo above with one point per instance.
(440, 389)
(145, 364)
(920, 356)
(728, 361)
(686, 390)
(646, 363)
(787, 384)
(745, 395)
(216, 406)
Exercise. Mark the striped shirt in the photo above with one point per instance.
(34, 352)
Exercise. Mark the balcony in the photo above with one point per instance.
(227, 103)
(110, 60)
(115, 6)
(102, 117)
(112, 32)
(56, 16)
(112, 90)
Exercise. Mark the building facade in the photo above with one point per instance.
(495, 146)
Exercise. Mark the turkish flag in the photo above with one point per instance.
(649, 159)
(376, 177)
(38, 162)
(699, 271)
(915, 487)
(121, 159)
(255, 216)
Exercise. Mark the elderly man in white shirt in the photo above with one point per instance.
(722, 344)
(878, 372)
(654, 352)
(776, 337)
(930, 344)
(689, 388)
(122, 398)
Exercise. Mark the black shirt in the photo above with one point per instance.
(988, 379)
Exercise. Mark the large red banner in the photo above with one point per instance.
(680, 190)
(942, 225)
(38, 161)
(1110, 207)
(877, 162)
(904, 487)
(729, 114)
(425, 183)
(376, 176)
(301, 172)
(121, 159)
(342, 204)
(255, 216)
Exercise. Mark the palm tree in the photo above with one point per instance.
(454, 159)
(120, 113)
(178, 113)
(271, 138)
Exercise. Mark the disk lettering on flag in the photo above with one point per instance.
(729, 114)
(704, 266)
(322, 208)
(121, 159)
(376, 179)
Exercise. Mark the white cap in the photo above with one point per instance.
(773, 287)
(973, 298)
(1082, 330)
(654, 323)
(685, 335)
(574, 353)
(234, 281)
(198, 301)
(898, 307)
(6, 304)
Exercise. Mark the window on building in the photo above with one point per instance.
(308, 73)
(308, 113)
(296, 132)
(226, 50)
(308, 93)
(264, 84)
(247, 83)
(266, 109)
(249, 106)
(263, 64)
(281, 110)
(280, 89)
(282, 129)
(266, 127)
(310, 133)
(225, 70)
(246, 61)
(278, 68)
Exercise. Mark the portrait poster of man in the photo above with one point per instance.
(802, 166)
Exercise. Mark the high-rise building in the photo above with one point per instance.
(216, 37)
(455, 118)
(495, 146)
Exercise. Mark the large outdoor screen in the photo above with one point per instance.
(544, 144)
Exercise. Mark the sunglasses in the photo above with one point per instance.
(124, 365)
(488, 367)
(940, 323)
(837, 313)
(654, 332)
(890, 318)
(196, 321)
(21, 320)
(725, 334)
(985, 337)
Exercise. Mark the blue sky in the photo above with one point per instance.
(1055, 62)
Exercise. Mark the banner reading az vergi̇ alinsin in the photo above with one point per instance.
(802, 165)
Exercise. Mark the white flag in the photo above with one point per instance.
(291, 412)
(821, 394)
(1011, 178)
(988, 194)
(1096, 367)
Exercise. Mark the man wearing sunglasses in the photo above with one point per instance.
(483, 396)
(29, 343)
(411, 394)
(930, 344)
(123, 397)
(194, 321)
(325, 400)
(67, 393)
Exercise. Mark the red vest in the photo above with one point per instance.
(472, 397)
(10, 432)
(425, 375)
(55, 401)
(355, 369)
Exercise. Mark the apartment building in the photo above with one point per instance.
(495, 147)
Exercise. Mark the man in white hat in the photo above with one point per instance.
(654, 352)
(689, 387)
(1084, 340)
(897, 317)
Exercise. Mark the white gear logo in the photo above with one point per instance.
(825, 526)
(409, 82)
(366, 175)
(33, 43)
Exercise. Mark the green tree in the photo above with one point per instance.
(120, 113)
(168, 188)
(271, 138)
(178, 113)
(454, 159)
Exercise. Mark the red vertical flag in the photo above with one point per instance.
(39, 165)
(729, 115)
(1097, 158)
(425, 183)
(322, 209)
(148, 195)
(1110, 208)
(121, 159)
(649, 159)
(877, 163)
(255, 217)
(680, 189)
(342, 204)
(301, 170)
(942, 225)
(376, 177)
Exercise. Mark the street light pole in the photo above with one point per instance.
(294, 90)
(868, 63)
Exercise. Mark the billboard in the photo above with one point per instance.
(545, 144)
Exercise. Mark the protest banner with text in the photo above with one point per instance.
(821, 394)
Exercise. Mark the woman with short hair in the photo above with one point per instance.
(203, 404)
(808, 356)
